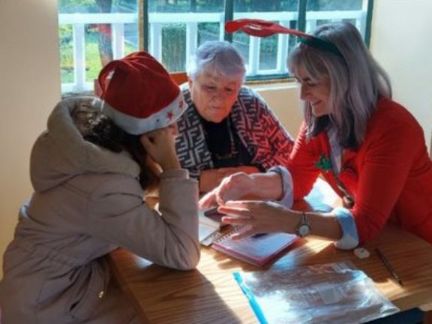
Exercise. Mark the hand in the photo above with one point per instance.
(160, 145)
(232, 187)
(258, 217)
(209, 179)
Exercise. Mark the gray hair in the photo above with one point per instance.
(217, 56)
(356, 81)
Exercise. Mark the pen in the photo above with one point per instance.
(388, 266)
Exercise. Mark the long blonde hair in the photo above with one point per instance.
(356, 82)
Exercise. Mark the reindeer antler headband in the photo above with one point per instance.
(264, 28)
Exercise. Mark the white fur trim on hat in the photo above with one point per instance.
(138, 126)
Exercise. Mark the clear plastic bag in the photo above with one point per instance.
(326, 293)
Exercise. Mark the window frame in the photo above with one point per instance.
(229, 15)
(256, 73)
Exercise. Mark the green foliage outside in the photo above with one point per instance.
(93, 63)
(91, 6)
(174, 51)
(249, 5)
(66, 54)
(174, 35)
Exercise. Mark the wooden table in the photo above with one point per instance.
(209, 294)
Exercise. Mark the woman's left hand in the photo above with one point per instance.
(160, 145)
(258, 216)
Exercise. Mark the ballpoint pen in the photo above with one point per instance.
(388, 266)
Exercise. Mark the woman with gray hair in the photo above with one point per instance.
(370, 149)
(227, 127)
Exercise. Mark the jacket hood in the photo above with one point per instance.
(61, 153)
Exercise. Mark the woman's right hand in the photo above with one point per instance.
(160, 145)
(211, 178)
(255, 186)
(233, 187)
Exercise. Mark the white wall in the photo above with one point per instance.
(30, 81)
(29, 88)
(402, 43)
(284, 100)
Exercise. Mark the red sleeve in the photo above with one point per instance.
(388, 155)
(304, 156)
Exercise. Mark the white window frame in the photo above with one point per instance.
(191, 20)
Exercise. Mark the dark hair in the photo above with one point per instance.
(104, 133)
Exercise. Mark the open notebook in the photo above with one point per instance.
(258, 250)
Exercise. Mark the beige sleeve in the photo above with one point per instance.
(168, 237)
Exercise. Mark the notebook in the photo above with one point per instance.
(258, 250)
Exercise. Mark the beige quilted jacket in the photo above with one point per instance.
(87, 201)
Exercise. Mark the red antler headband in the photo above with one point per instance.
(264, 28)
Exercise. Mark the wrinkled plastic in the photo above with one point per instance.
(326, 293)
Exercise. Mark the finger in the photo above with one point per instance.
(157, 134)
(241, 204)
(236, 203)
(252, 205)
(164, 132)
(244, 232)
(230, 188)
(237, 212)
(224, 192)
(208, 200)
(145, 141)
(173, 129)
(236, 220)
(219, 198)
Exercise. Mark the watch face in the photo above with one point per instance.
(303, 230)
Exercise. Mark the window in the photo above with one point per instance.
(93, 32)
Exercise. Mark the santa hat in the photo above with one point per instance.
(139, 95)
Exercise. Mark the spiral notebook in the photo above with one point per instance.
(258, 250)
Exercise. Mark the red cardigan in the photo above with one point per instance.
(389, 175)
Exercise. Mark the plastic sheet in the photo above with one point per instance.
(327, 293)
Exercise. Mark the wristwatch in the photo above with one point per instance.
(303, 228)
